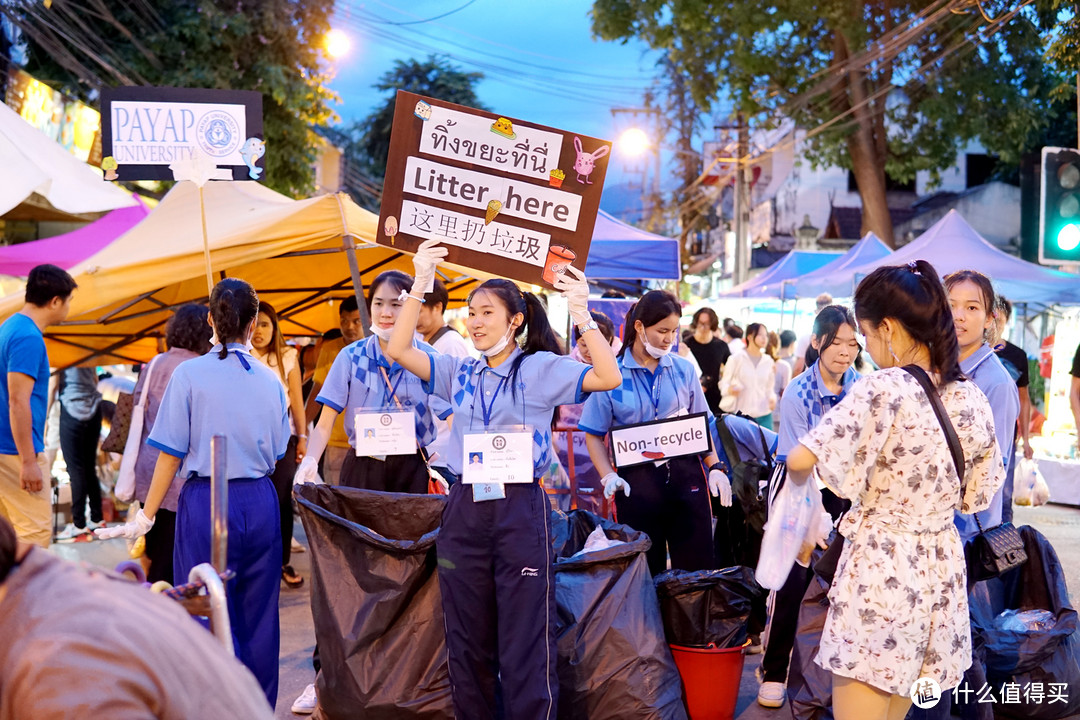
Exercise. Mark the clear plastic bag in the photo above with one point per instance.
(792, 514)
(1025, 621)
(1029, 487)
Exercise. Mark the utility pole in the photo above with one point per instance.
(742, 205)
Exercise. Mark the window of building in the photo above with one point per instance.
(891, 184)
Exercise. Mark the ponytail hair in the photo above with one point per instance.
(654, 306)
(233, 305)
(9, 544)
(397, 280)
(539, 337)
(989, 298)
(913, 295)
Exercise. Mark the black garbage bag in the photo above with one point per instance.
(809, 686)
(1048, 657)
(613, 659)
(707, 607)
(376, 603)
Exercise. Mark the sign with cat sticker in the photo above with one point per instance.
(507, 197)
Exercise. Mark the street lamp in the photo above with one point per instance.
(634, 142)
(337, 43)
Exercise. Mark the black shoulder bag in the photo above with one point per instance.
(749, 478)
(992, 551)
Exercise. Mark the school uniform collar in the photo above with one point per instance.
(369, 346)
(817, 382)
(503, 370)
(628, 361)
(975, 359)
(242, 354)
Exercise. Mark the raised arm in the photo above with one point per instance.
(604, 374)
(400, 346)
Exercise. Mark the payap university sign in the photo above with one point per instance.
(145, 129)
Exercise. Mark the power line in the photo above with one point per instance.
(431, 19)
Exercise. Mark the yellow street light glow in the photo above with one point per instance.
(337, 43)
(634, 142)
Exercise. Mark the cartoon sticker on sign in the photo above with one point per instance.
(492, 189)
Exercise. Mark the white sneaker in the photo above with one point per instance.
(771, 695)
(69, 533)
(306, 703)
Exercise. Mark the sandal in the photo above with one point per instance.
(290, 577)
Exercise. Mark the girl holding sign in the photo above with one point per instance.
(388, 414)
(494, 545)
(668, 500)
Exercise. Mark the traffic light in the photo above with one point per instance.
(1059, 207)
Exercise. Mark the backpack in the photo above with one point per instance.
(750, 477)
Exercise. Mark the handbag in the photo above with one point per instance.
(750, 478)
(992, 551)
(120, 426)
(125, 479)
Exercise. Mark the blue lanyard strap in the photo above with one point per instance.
(490, 407)
(654, 393)
(390, 391)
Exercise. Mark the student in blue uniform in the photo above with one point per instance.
(363, 378)
(495, 563)
(226, 392)
(669, 500)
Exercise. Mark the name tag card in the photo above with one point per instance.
(660, 440)
(379, 433)
(498, 457)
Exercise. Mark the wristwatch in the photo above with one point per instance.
(586, 326)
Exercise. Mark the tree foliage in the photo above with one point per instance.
(435, 77)
(881, 86)
(273, 46)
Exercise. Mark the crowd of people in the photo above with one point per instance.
(868, 440)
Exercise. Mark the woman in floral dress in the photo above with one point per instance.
(898, 603)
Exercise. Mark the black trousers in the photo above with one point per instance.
(670, 504)
(397, 473)
(160, 542)
(496, 573)
(79, 442)
(283, 484)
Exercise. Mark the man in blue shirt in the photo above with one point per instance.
(24, 491)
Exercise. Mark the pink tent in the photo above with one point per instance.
(71, 248)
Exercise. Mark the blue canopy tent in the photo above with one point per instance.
(768, 284)
(831, 278)
(624, 252)
(951, 244)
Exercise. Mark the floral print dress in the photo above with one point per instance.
(898, 603)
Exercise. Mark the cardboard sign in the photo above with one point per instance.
(507, 197)
(145, 129)
(660, 440)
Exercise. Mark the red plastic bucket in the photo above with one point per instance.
(711, 678)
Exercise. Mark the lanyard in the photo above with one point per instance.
(654, 394)
(392, 395)
(489, 408)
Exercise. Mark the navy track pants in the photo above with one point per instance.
(498, 595)
(254, 555)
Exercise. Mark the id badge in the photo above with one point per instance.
(381, 431)
(495, 457)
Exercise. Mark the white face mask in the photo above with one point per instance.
(654, 351)
(501, 345)
(382, 333)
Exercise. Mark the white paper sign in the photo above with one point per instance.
(660, 440)
(498, 457)
(384, 433)
(519, 199)
(500, 144)
(509, 241)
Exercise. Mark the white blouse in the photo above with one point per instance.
(754, 385)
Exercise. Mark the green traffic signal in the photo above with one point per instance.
(1068, 237)
(1059, 217)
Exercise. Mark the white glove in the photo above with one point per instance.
(131, 530)
(307, 472)
(819, 531)
(720, 486)
(575, 288)
(427, 256)
(612, 483)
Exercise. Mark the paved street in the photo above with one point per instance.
(1061, 524)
